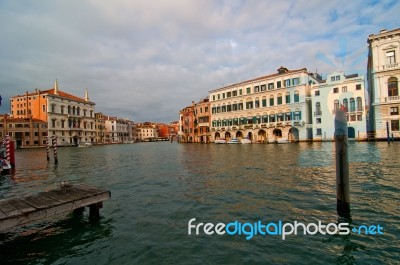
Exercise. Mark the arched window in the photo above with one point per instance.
(249, 103)
(296, 96)
(393, 90)
(264, 102)
(317, 108)
(279, 99)
(287, 97)
(359, 104)
(336, 105)
(345, 104)
(352, 105)
(257, 103)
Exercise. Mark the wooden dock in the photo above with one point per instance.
(18, 211)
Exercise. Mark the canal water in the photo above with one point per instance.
(158, 187)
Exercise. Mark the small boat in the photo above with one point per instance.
(245, 141)
(233, 141)
(272, 141)
(282, 141)
(220, 141)
(5, 166)
(86, 144)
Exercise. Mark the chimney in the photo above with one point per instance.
(56, 87)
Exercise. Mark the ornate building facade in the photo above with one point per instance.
(383, 83)
(268, 107)
(70, 118)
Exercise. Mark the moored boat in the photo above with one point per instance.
(86, 144)
(220, 141)
(245, 141)
(233, 141)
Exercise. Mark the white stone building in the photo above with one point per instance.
(383, 83)
(343, 92)
(265, 108)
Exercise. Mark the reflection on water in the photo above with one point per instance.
(157, 187)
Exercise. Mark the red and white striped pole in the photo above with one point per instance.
(55, 149)
(48, 147)
(8, 148)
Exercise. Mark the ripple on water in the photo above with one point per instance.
(157, 187)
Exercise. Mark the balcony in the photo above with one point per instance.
(392, 99)
(391, 66)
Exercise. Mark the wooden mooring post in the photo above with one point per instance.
(342, 165)
(18, 211)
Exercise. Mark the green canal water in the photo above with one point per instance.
(158, 187)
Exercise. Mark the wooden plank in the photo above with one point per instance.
(52, 211)
(21, 205)
(8, 209)
(20, 211)
(2, 215)
(40, 201)
(62, 196)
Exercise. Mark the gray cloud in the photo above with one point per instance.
(147, 60)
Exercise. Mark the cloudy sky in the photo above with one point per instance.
(145, 60)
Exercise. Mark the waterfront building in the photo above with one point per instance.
(68, 117)
(147, 132)
(268, 107)
(117, 130)
(201, 121)
(186, 124)
(383, 83)
(26, 132)
(100, 127)
(344, 92)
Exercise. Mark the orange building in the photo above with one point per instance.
(186, 124)
(202, 121)
(69, 118)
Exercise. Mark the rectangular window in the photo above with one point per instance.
(213, 97)
(394, 111)
(219, 96)
(270, 86)
(223, 95)
(295, 81)
(394, 125)
(279, 99)
(228, 94)
(317, 92)
(390, 57)
(359, 117)
(352, 117)
(256, 89)
(44, 108)
(318, 120)
(257, 103)
(234, 93)
(286, 82)
(263, 87)
(271, 101)
(335, 90)
(358, 87)
(248, 90)
(319, 131)
(240, 92)
(344, 88)
(278, 84)
(264, 102)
